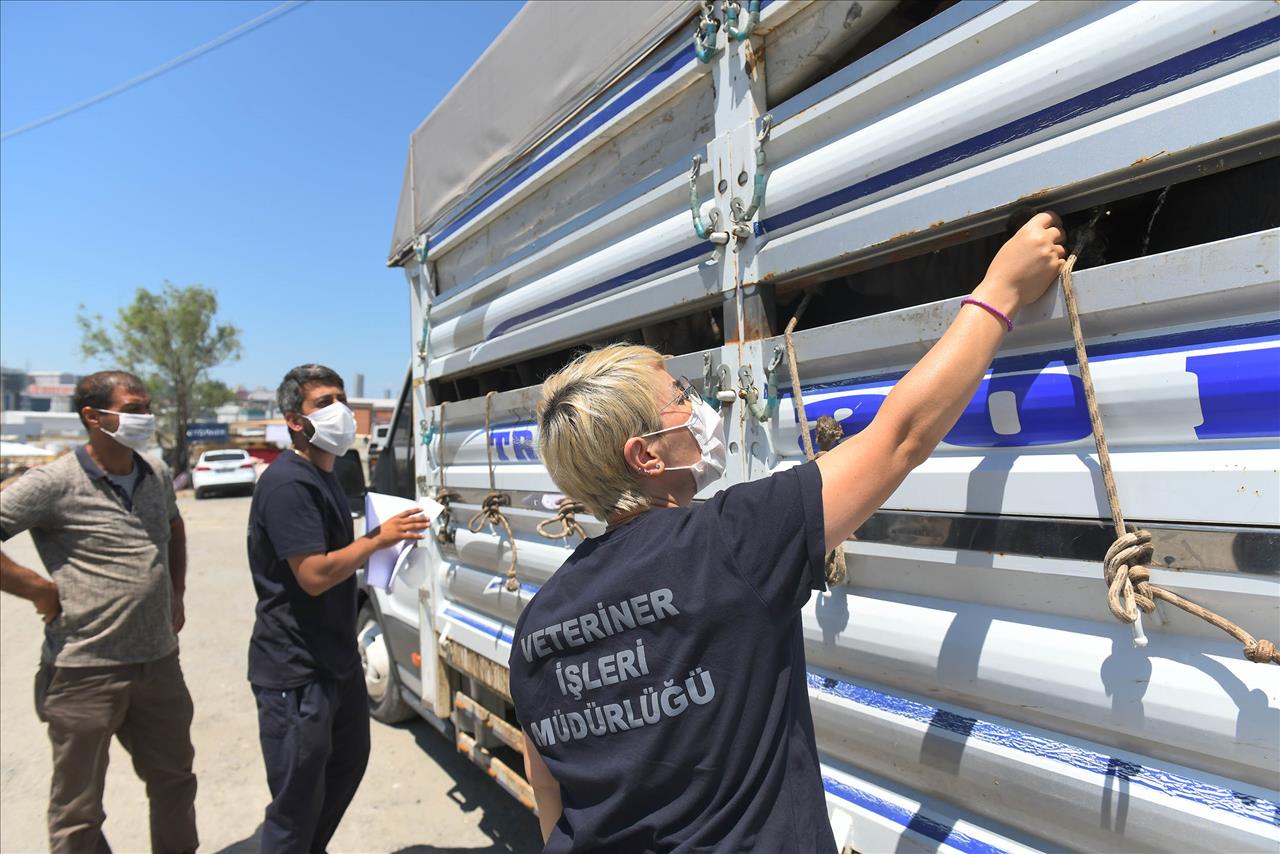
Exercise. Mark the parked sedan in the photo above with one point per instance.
(230, 470)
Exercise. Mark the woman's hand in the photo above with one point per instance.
(1026, 265)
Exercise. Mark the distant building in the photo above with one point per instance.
(258, 404)
(50, 429)
(50, 391)
(370, 412)
(13, 388)
(35, 407)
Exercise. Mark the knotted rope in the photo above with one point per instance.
(444, 495)
(565, 515)
(828, 429)
(1124, 568)
(490, 512)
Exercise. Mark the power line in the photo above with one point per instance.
(183, 59)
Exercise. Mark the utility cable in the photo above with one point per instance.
(183, 59)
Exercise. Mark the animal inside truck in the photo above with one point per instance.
(739, 184)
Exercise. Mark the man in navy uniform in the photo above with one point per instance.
(313, 713)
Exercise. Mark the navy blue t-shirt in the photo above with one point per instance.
(660, 673)
(297, 510)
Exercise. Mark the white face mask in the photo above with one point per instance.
(335, 428)
(707, 428)
(134, 430)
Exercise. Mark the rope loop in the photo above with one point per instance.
(491, 507)
(444, 535)
(490, 513)
(1124, 570)
(1124, 567)
(565, 513)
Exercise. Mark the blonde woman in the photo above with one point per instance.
(659, 676)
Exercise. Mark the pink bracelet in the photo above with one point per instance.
(995, 312)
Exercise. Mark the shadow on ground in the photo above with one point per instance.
(251, 844)
(510, 828)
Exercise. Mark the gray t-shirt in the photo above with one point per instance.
(126, 482)
(108, 552)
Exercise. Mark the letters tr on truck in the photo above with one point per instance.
(693, 176)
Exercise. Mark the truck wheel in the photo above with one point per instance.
(380, 680)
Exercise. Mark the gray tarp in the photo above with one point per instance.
(553, 56)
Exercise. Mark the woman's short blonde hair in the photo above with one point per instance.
(588, 411)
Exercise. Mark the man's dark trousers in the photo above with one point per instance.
(315, 742)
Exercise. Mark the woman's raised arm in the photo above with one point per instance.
(863, 471)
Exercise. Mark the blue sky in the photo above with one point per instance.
(267, 170)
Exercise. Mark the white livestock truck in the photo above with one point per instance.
(695, 177)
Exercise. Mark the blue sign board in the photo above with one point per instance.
(208, 432)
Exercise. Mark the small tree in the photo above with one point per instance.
(171, 341)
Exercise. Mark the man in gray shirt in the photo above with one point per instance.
(106, 525)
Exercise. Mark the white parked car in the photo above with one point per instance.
(229, 470)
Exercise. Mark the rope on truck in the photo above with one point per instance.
(828, 430)
(490, 512)
(1124, 568)
(444, 536)
(566, 511)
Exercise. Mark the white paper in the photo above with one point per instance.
(384, 564)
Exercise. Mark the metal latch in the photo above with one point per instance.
(717, 386)
(751, 395)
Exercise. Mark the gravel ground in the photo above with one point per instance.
(418, 796)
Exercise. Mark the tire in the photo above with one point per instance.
(381, 683)
(199, 493)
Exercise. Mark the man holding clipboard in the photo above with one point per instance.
(313, 714)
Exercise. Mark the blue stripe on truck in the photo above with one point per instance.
(1238, 392)
(500, 633)
(1198, 59)
(592, 123)
(638, 90)
(653, 267)
(1183, 65)
(974, 729)
(917, 822)
(1166, 782)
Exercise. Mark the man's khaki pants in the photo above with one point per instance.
(148, 708)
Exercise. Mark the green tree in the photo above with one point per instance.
(171, 340)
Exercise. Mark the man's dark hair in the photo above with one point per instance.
(293, 388)
(96, 390)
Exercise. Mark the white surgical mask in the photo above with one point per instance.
(707, 428)
(335, 428)
(134, 430)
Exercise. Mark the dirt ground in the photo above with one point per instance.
(419, 795)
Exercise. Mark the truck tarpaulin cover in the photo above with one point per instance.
(553, 57)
